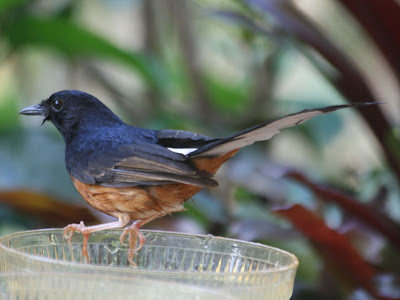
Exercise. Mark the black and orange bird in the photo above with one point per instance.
(136, 174)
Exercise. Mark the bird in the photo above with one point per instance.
(137, 174)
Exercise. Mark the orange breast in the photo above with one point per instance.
(133, 201)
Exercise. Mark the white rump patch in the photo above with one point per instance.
(184, 151)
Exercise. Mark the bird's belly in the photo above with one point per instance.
(136, 202)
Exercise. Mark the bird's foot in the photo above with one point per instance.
(69, 230)
(134, 232)
(85, 231)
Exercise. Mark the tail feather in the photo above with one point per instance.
(263, 131)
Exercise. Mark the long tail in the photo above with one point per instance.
(263, 131)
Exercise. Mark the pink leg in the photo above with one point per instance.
(134, 232)
(86, 231)
(134, 228)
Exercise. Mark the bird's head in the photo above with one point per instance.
(71, 111)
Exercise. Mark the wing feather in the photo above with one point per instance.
(147, 164)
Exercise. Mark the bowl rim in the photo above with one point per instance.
(293, 265)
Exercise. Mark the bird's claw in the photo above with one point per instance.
(133, 232)
(69, 230)
(122, 236)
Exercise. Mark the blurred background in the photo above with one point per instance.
(327, 190)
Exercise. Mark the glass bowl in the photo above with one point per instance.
(34, 286)
(170, 265)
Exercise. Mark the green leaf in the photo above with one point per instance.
(72, 40)
(228, 97)
(8, 114)
(393, 141)
(7, 4)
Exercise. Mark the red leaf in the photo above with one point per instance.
(382, 21)
(369, 216)
(52, 212)
(335, 248)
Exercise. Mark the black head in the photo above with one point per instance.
(71, 111)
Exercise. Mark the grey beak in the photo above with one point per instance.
(34, 110)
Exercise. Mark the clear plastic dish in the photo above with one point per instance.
(33, 286)
(170, 265)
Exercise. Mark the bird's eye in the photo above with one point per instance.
(57, 105)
